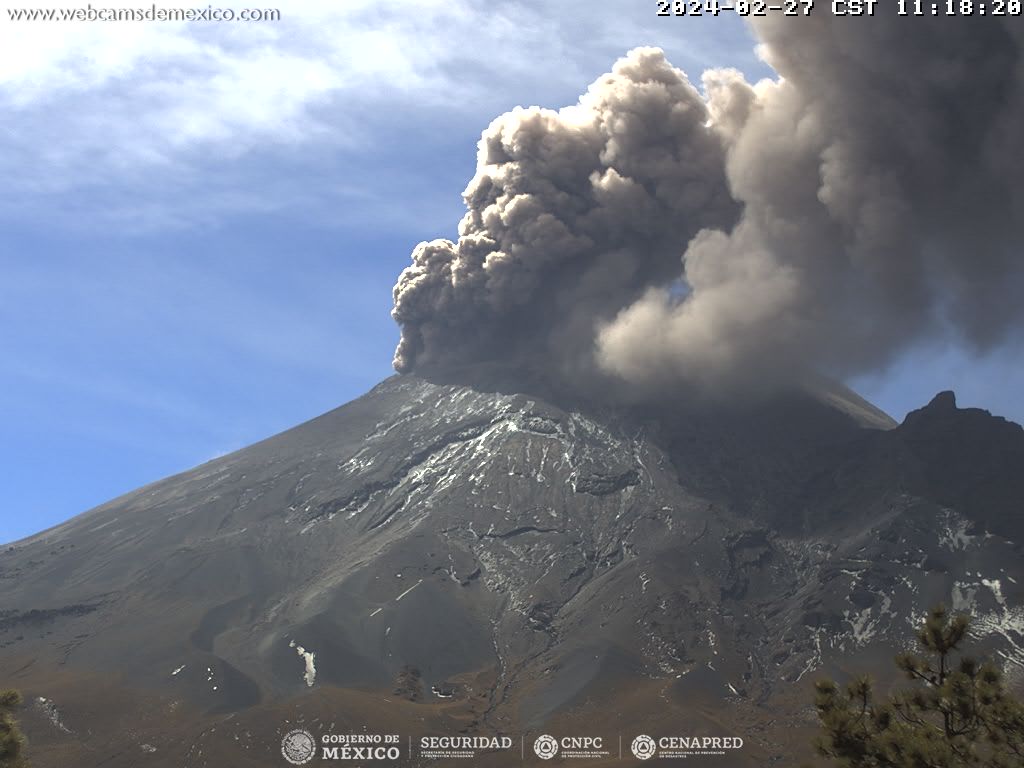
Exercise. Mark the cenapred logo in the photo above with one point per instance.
(545, 747)
(298, 746)
(644, 747)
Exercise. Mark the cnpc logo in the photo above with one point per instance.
(546, 746)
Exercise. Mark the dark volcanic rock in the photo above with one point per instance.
(970, 460)
(441, 558)
(603, 484)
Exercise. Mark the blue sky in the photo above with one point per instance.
(200, 224)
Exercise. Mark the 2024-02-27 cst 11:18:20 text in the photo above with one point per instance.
(840, 7)
(740, 7)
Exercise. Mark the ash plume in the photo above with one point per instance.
(571, 216)
(754, 234)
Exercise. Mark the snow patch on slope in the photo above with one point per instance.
(309, 659)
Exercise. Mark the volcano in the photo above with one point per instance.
(464, 558)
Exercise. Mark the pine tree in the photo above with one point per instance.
(956, 714)
(11, 740)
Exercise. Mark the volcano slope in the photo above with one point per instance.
(441, 558)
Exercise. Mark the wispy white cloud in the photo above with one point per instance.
(147, 123)
(158, 87)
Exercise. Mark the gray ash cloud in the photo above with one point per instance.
(868, 197)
